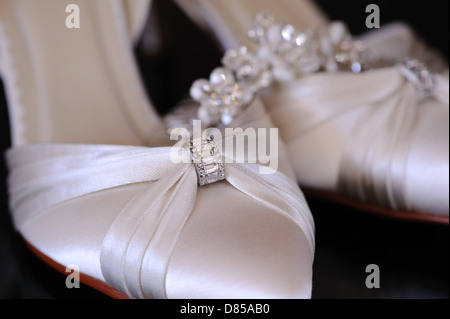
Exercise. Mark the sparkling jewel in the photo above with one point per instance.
(221, 76)
(418, 74)
(226, 118)
(199, 89)
(250, 71)
(207, 160)
(287, 32)
(300, 39)
(305, 51)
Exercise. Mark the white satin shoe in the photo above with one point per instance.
(367, 135)
(89, 186)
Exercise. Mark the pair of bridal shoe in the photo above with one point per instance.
(92, 179)
(365, 120)
(92, 182)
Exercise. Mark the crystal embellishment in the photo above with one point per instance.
(292, 53)
(230, 88)
(418, 74)
(283, 54)
(339, 51)
(208, 161)
(288, 52)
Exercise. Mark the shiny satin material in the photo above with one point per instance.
(129, 216)
(74, 85)
(367, 136)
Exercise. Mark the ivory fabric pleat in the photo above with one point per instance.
(368, 136)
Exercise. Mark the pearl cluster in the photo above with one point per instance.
(230, 88)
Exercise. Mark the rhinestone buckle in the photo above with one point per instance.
(418, 74)
(208, 161)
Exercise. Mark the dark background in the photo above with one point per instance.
(413, 257)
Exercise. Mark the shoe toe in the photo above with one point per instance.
(243, 251)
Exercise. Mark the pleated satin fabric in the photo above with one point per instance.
(368, 136)
(131, 217)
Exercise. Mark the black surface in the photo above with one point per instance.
(413, 257)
